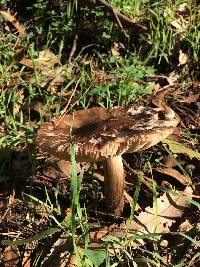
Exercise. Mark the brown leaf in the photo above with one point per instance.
(183, 8)
(169, 161)
(14, 21)
(28, 250)
(46, 60)
(175, 174)
(19, 55)
(68, 212)
(100, 233)
(183, 58)
(59, 254)
(189, 99)
(20, 100)
(10, 256)
(176, 133)
(170, 207)
(65, 166)
(115, 50)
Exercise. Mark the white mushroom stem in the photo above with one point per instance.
(114, 184)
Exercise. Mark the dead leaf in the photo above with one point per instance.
(170, 207)
(179, 148)
(28, 250)
(46, 60)
(2, 130)
(68, 212)
(65, 166)
(19, 101)
(177, 131)
(10, 256)
(59, 254)
(115, 50)
(173, 77)
(169, 162)
(14, 22)
(182, 8)
(160, 95)
(189, 99)
(19, 55)
(48, 57)
(183, 58)
(175, 174)
(185, 226)
(176, 25)
(101, 233)
(12, 198)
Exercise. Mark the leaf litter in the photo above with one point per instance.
(170, 206)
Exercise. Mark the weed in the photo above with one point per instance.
(192, 36)
(55, 21)
(161, 38)
(124, 83)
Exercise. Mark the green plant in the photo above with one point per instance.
(124, 81)
(192, 35)
(55, 21)
(129, 7)
(161, 37)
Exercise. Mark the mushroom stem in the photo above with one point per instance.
(114, 184)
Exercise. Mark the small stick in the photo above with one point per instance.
(73, 50)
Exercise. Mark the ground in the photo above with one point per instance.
(57, 57)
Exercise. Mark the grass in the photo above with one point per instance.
(106, 71)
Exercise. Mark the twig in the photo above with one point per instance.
(64, 111)
(73, 50)
(117, 16)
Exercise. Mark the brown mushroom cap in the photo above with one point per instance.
(99, 133)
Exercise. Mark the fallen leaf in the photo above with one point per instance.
(179, 148)
(10, 256)
(115, 50)
(180, 24)
(19, 101)
(175, 174)
(173, 77)
(19, 55)
(169, 161)
(185, 226)
(51, 79)
(14, 22)
(65, 166)
(46, 60)
(177, 131)
(176, 24)
(101, 233)
(170, 207)
(183, 7)
(183, 58)
(28, 250)
(68, 212)
(189, 99)
(59, 254)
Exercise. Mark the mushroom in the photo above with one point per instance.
(101, 134)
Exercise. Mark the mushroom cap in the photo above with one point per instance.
(99, 133)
